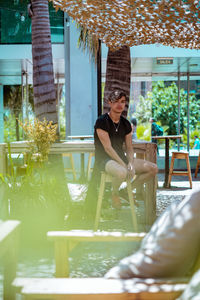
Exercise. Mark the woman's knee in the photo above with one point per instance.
(116, 170)
(154, 169)
(121, 174)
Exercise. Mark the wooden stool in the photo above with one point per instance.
(197, 166)
(72, 169)
(180, 155)
(89, 166)
(107, 178)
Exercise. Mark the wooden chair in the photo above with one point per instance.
(72, 169)
(180, 155)
(89, 166)
(107, 178)
(197, 166)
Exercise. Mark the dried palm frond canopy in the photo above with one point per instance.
(173, 23)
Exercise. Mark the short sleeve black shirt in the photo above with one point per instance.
(117, 138)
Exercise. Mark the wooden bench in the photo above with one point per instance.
(9, 234)
(99, 288)
(65, 241)
(96, 288)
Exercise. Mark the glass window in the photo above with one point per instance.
(15, 24)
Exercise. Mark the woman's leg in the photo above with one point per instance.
(144, 171)
(118, 174)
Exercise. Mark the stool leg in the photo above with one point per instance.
(171, 170)
(130, 197)
(189, 170)
(197, 166)
(99, 201)
(140, 188)
(73, 167)
(89, 165)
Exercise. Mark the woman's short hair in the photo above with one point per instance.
(116, 95)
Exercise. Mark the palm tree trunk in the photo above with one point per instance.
(118, 75)
(43, 77)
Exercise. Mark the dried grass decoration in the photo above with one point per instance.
(136, 22)
(41, 135)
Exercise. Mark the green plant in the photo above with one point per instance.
(165, 107)
(192, 136)
(144, 131)
(36, 190)
(10, 128)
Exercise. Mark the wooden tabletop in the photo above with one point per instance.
(74, 145)
(166, 137)
(81, 137)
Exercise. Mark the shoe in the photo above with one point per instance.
(124, 195)
(116, 202)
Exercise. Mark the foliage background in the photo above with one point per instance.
(162, 104)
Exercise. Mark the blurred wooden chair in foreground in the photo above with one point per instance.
(9, 235)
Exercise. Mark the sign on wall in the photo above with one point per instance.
(164, 60)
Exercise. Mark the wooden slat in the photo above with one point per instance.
(73, 146)
(98, 288)
(86, 236)
(180, 173)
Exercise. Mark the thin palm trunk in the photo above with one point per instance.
(118, 75)
(43, 77)
(17, 126)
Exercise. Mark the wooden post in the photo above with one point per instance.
(61, 258)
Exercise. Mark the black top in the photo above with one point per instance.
(117, 133)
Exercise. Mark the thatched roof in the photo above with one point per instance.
(173, 23)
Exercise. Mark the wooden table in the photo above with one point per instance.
(80, 137)
(167, 138)
(87, 146)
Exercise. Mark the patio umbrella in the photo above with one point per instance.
(135, 22)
